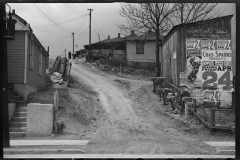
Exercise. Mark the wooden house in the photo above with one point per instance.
(27, 59)
(141, 48)
(114, 47)
(198, 56)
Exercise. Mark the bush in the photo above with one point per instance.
(131, 64)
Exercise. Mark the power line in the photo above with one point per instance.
(82, 32)
(62, 42)
(83, 6)
(55, 40)
(61, 22)
(95, 30)
(51, 19)
(72, 9)
(82, 25)
(68, 45)
(99, 28)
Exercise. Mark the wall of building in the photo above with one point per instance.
(174, 46)
(24, 90)
(16, 58)
(33, 77)
(149, 52)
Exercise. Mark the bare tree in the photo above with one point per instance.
(193, 12)
(161, 17)
(141, 17)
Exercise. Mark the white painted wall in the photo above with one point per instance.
(149, 52)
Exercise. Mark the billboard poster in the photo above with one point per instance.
(194, 68)
(209, 64)
(183, 79)
(211, 96)
(217, 69)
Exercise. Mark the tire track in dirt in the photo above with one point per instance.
(113, 100)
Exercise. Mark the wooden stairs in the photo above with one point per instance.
(18, 124)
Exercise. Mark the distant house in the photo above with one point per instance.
(114, 47)
(141, 48)
(27, 59)
(118, 47)
(81, 53)
(135, 48)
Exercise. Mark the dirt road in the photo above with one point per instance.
(134, 120)
(121, 116)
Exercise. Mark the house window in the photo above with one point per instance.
(40, 62)
(140, 47)
(31, 54)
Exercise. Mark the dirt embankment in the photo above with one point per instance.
(78, 107)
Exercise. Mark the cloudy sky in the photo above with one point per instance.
(53, 24)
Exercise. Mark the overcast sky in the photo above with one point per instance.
(75, 18)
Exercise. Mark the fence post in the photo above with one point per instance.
(55, 111)
(186, 100)
(194, 106)
(212, 118)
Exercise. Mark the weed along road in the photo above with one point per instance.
(134, 121)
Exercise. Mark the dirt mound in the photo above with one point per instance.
(78, 105)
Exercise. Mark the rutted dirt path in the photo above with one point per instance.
(134, 121)
(115, 101)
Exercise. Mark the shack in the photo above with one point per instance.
(197, 57)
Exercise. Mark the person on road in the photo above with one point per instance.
(69, 55)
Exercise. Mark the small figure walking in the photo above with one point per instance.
(69, 55)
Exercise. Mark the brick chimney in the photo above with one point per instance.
(108, 37)
(118, 34)
(13, 11)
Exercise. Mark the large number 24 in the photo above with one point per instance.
(223, 80)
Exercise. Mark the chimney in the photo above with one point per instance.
(150, 30)
(108, 37)
(13, 11)
(132, 32)
(118, 34)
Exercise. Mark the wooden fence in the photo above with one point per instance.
(62, 66)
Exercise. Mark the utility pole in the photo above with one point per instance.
(4, 76)
(89, 49)
(73, 44)
(65, 52)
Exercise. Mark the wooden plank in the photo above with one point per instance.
(157, 156)
(220, 143)
(47, 142)
(55, 128)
